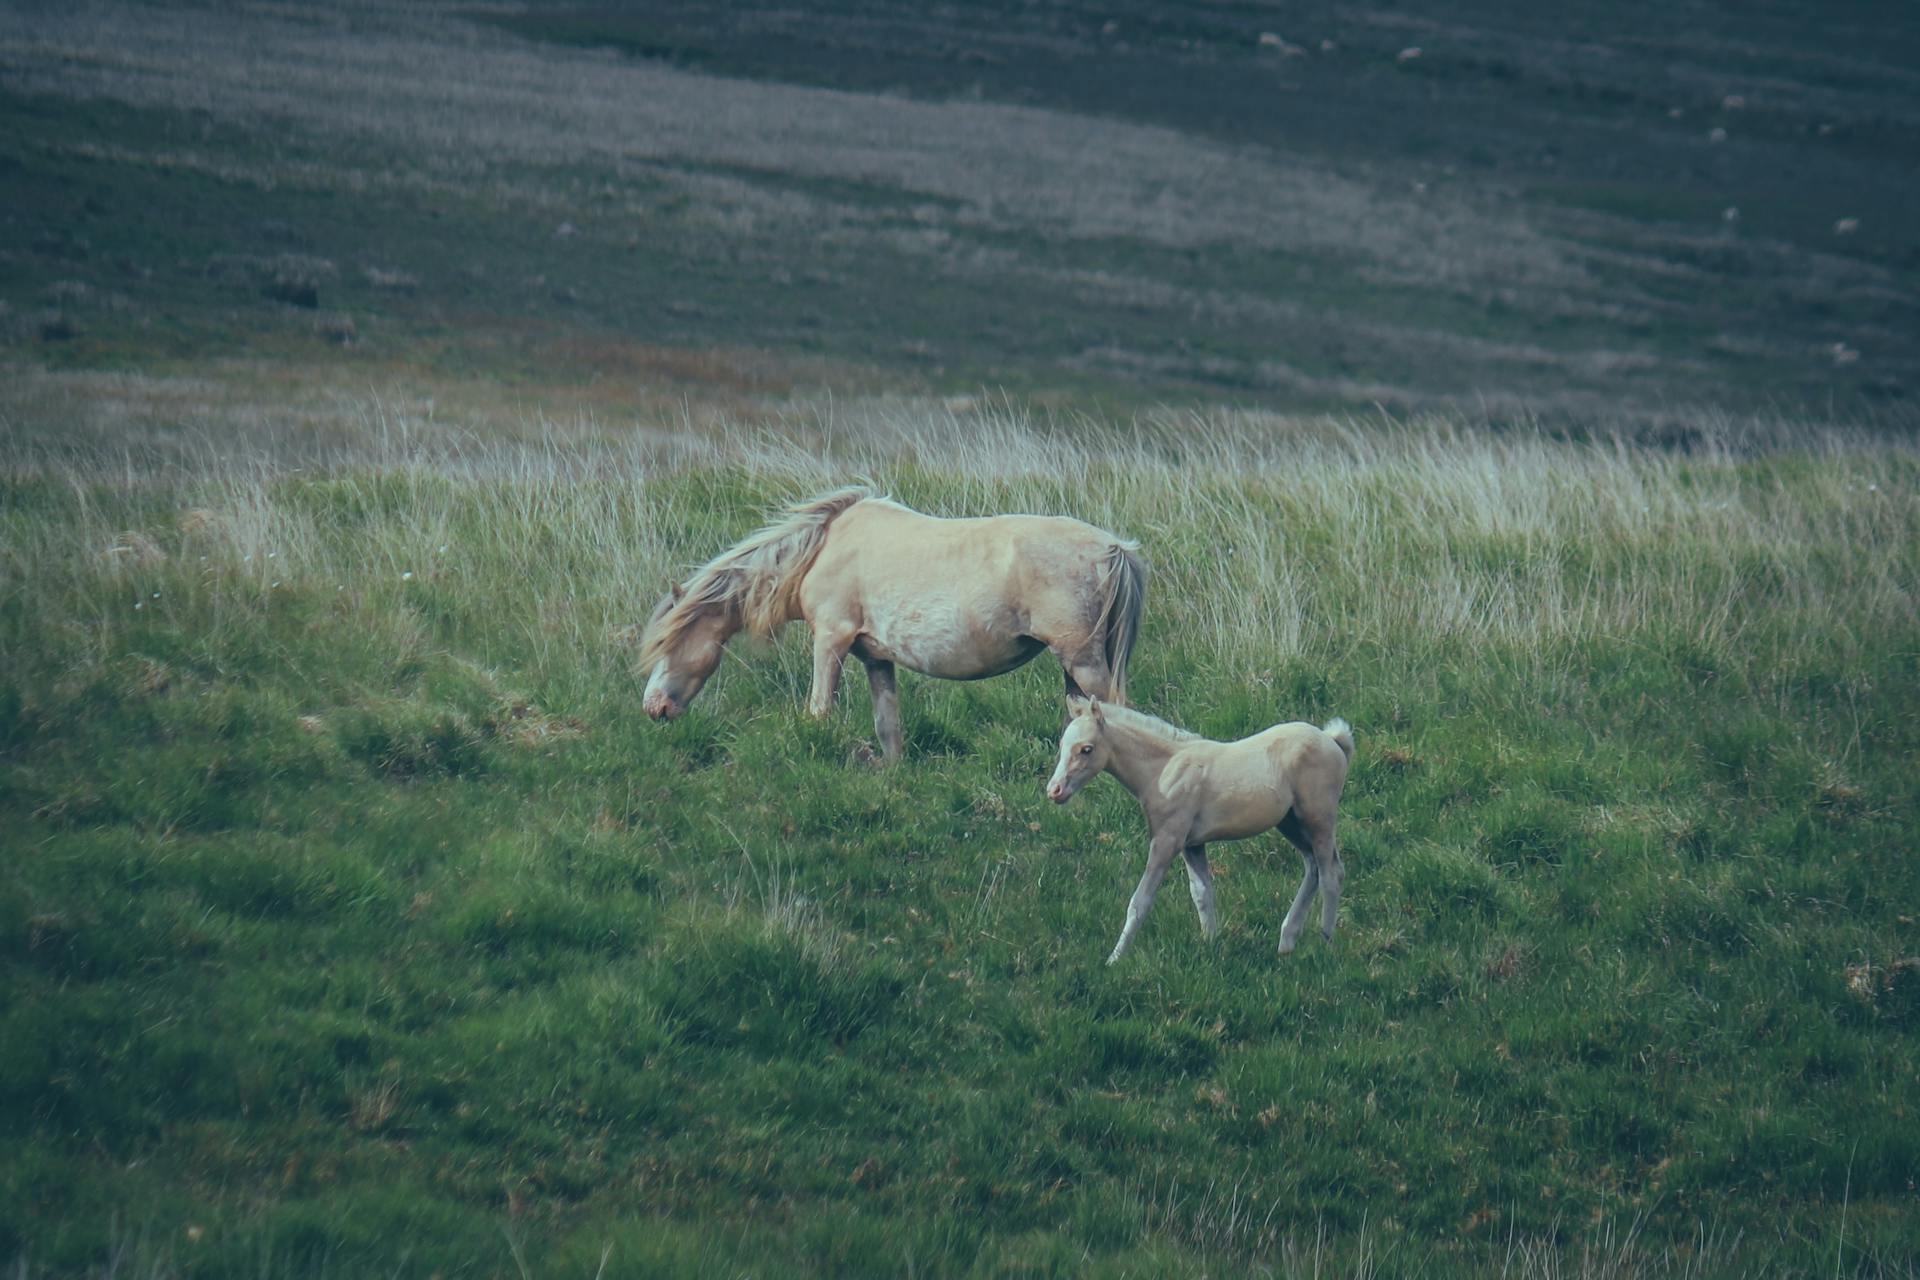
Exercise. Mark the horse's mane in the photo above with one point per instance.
(1140, 721)
(759, 575)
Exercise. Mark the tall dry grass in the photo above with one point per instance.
(1272, 538)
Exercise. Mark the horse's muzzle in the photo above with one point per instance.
(660, 706)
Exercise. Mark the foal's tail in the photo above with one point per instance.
(1125, 581)
(1341, 732)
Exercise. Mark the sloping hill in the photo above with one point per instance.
(1603, 217)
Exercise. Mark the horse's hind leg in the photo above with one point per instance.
(1200, 886)
(1297, 913)
(1087, 673)
(886, 708)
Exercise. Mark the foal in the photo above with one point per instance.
(1194, 791)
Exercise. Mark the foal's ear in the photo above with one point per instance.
(1078, 705)
(1093, 709)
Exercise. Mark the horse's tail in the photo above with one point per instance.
(1125, 583)
(1341, 732)
(772, 561)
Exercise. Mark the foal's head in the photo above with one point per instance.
(1084, 750)
(685, 640)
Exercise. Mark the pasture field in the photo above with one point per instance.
(1530, 386)
(354, 919)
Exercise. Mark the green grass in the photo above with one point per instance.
(353, 918)
(367, 377)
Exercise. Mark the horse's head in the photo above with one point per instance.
(1084, 750)
(685, 640)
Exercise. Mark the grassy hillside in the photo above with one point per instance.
(1539, 215)
(353, 917)
(1532, 389)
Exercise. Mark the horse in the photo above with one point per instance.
(1195, 791)
(958, 599)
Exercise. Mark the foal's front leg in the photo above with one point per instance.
(1158, 860)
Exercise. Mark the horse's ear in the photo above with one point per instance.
(677, 591)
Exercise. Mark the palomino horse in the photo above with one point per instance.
(958, 599)
(1194, 790)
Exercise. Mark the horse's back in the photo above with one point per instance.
(881, 545)
(961, 598)
(942, 597)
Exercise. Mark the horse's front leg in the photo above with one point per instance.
(886, 708)
(1158, 860)
(830, 645)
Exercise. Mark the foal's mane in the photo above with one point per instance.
(1140, 721)
(759, 575)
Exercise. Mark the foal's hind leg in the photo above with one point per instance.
(1332, 872)
(1200, 886)
(1297, 913)
(1313, 836)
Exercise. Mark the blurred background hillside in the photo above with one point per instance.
(1618, 214)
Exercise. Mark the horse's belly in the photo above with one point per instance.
(941, 640)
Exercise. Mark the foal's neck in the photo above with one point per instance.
(1138, 757)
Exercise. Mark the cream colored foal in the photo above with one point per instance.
(1195, 791)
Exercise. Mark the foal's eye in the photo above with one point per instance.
(1086, 748)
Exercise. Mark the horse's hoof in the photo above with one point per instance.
(862, 754)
